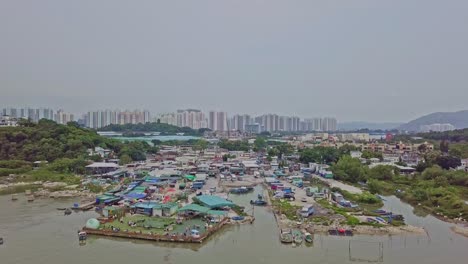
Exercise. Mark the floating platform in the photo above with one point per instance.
(157, 237)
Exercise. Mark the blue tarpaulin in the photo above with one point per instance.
(135, 195)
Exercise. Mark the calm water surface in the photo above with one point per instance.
(38, 233)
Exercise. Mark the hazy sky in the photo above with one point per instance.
(370, 60)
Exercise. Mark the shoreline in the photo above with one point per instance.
(461, 230)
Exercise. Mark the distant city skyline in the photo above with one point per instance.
(193, 118)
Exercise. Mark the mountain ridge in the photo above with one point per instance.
(459, 119)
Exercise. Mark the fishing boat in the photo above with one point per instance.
(237, 218)
(258, 202)
(14, 197)
(298, 239)
(308, 238)
(82, 236)
(286, 236)
(241, 190)
(340, 232)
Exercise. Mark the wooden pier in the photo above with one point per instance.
(157, 237)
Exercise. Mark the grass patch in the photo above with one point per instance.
(43, 174)
(284, 207)
(156, 225)
(19, 189)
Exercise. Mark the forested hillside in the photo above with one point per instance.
(63, 146)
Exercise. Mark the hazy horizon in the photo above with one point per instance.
(371, 61)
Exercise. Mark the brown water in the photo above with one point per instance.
(38, 233)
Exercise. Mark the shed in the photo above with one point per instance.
(165, 209)
(101, 167)
(213, 201)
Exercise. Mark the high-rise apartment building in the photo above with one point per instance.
(239, 122)
(33, 114)
(63, 118)
(102, 118)
(217, 121)
(192, 118)
(329, 124)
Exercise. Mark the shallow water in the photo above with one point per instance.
(38, 233)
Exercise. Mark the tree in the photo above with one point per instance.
(448, 162)
(349, 169)
(422, 148)
(201, 144)
(125, 159)
(260, 144)
(319, 155)
(432, 173)
(382, 172)
(444, 146)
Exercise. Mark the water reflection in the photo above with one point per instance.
(38, 233)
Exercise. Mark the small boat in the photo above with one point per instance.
(61, 208)
(1, 240)
(67, 211)
(308, 238)
(82, 235)
(30, 198)
(14, 197)
(238, 218)
(241, 190)
(260, 197)
(258, 202)
(286, 236)
(298, 239)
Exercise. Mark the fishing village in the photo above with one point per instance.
(184, 196)
(186, 191)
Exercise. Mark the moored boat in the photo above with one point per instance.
(286, 236)
(241, 190)
(82, 235)
(258, 202)
(298, 239)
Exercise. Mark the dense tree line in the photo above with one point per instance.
(66, 145)
(234, 145)
(457, 135)
(165, 129)
(326, 155)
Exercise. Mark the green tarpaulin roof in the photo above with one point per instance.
(201, 209)
(213, 201)
(190, 177)
(194, 207)
(216, 212)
